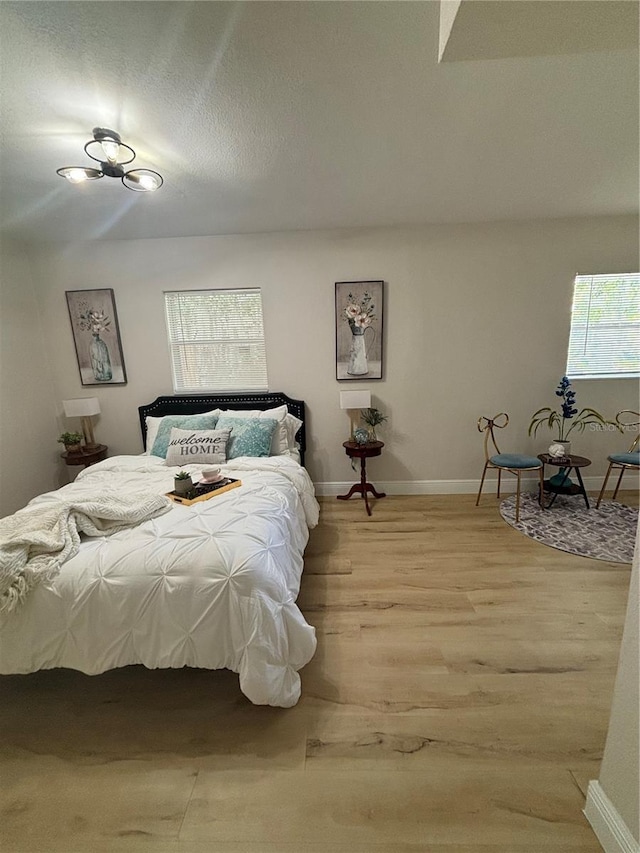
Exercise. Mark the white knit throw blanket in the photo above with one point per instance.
(37, 540)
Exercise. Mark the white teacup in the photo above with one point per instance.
(211, 475)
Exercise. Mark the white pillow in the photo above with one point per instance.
(292, 425)
(280, 442)
(293, 454)
(198, 447)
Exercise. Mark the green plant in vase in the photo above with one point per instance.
(182, 483)
(71, 441)
(372, 418)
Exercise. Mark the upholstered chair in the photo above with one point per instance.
(514, 463)
(624, 461)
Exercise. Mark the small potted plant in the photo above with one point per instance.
(71, 441)
(372, 418)
(568, 412)
(182, 483)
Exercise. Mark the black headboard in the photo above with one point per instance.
(194, 404)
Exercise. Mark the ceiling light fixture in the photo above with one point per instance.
(105, 148)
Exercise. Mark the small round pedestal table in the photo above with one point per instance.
(363, 452)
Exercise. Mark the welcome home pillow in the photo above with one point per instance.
(197, 447)
(249, 436)
(192, 422)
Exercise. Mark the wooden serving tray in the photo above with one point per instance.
(206, 492)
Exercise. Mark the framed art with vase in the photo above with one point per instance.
(359, 315)
(96, 335)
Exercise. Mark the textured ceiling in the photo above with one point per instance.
(275, 116)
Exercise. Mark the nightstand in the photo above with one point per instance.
(363, 452)
(86, 457)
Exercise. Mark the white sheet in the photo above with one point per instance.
(213, 585)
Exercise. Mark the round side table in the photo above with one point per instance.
(86, 457)
(362, 452)
(567, 465)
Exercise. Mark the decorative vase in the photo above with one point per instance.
(72, 448)
(182, 486)
(361, 435)
(357, 353)
(560, 480)
(372, 434)
(100, 361)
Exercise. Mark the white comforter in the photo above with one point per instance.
(212, 585)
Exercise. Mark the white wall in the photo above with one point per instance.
(620, 763)
(616, 815)
(476, 322)
(29, 454)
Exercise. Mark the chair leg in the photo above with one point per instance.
(613, 497)
(484, 473)
(604, 485)
(518, 497)
(499, 475)
(541, 499)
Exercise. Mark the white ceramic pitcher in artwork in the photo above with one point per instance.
(358, 365)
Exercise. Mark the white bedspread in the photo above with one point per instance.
(37, 540)
(212, 585)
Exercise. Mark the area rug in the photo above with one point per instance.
(607, 533)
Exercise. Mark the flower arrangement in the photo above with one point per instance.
(372, 418)
(92, 321)
(360, 315)
(568, 411)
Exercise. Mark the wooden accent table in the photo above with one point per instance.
(363, 452)
(570, 463)
(86, 457)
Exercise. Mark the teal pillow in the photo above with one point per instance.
(161, 444)
(249, 436)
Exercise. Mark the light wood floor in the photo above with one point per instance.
(458, 703)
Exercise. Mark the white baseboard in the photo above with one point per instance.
(612, 832)
(447, 487)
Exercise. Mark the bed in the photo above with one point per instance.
(212, 585)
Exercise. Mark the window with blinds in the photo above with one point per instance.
(216, 339)
(605, 327)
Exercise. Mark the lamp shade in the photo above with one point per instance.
(355, 399)
(81, 407)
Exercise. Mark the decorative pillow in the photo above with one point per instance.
(153, 425)
(280, 442)
(192, 422)
(249, 436)
(197, 447)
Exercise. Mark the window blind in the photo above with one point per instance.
(605, 327)
(216, 340)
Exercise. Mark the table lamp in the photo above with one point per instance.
(354, 401)
(85, 408)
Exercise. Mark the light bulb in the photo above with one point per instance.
(76, 176)
(111, 149)
(148, 182)
(79, 174)
(142, 180)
